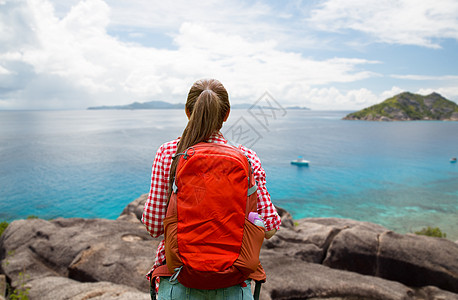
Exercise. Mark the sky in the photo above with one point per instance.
(324, 55)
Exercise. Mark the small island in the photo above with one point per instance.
(167, 105)
(409, 107)
(142, 105)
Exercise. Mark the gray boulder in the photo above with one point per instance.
(411, 259)
(316, 258)
(367, 249)
(61, 288)
(290, 278)
(418, 260)
(86, 250)
(2, 286)
(286, 218)
(135, 208)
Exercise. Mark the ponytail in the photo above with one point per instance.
(208, 105)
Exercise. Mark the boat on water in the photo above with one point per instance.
(453, 160)
(300, 162)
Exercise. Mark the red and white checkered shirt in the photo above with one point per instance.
(156, 205)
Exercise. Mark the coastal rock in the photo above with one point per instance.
(293, 279)
(2, 286)
(368, 249)
(135, 207)
(418, 260)
(83, 249)
(286, 218)
(315, 258)
(289, 278)
(310, 239)
(61, 288)
(410, 259)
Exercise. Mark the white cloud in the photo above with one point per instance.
(77, 49)
(450, 92)
(405, 22)
(4, 71)
(64, 55)
(446, 85)
(390, 93)
(68, 47)
(333, 99)
(426, 77)
(250, 68)
(234, 16)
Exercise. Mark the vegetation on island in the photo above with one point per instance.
(22, 291)
(3, 226)
(430, 231)
(407, 107)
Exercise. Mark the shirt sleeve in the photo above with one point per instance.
(265, 207)
(156, 204)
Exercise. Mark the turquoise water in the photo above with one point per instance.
(93, 163)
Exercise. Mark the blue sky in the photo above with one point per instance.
(334, 54)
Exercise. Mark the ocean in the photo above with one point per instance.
(92, 163)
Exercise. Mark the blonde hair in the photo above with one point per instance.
(208, 106)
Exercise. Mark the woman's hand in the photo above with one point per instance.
(270, 233)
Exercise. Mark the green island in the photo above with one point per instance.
(409, 107)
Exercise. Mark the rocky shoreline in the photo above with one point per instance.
(317, 258)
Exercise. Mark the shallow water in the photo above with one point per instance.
(93, 163)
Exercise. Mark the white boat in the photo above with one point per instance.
(300, 162)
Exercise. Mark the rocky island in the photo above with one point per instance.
(314, 258)
(409, 107)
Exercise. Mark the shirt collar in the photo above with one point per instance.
(217, 137)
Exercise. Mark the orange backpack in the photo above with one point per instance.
(209, 241)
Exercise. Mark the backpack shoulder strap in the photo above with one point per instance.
(252, 187)
(257, 290)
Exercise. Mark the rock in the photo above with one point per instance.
(410, 259)
(289, 278)
(2, 286)
(310, 239)
(83, 249)
(135, 207)
(454, 117)
(434, 293)
(61, 288)
(418, 260)
(368, 249)
(315, 258)
(286, 218)
(354, 249)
